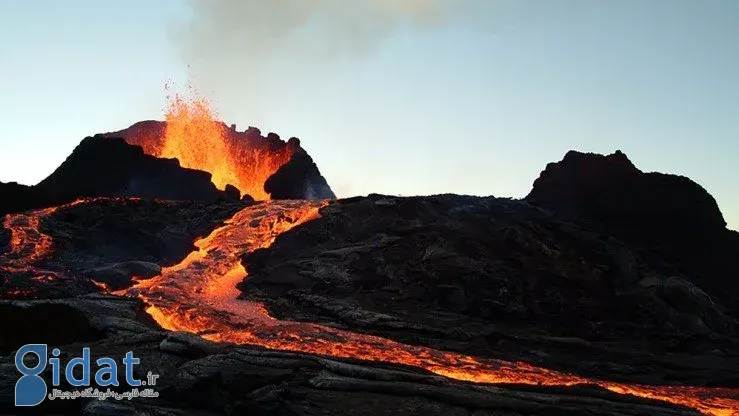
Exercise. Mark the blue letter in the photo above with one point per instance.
(30, 389)
(85, 362)
(55, 367)
(112, 369)
(129, 361)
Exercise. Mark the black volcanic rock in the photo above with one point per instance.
(610, 189)
(27, 323)
(299, 178)
(671, 220)
(143, 133)
(118, 275)
(232, 192)
(109, 232)
(111, 167)
(487, 276)
(15, 198)
(116, 164)
(198, 377)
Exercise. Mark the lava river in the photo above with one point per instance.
(199, 295)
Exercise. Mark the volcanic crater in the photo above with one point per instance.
(224, 260)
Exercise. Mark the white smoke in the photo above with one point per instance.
(230, 45)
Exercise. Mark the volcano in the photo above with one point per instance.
(169, 160)
(224, 261)
(263, 167)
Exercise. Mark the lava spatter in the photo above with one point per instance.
(194, 136)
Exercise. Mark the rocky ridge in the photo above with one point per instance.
(673, 222)
(528, 280)
(100, 167)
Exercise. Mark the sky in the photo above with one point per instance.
(402, 97)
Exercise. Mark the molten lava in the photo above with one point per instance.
(199, 295)
(195, 137)
(28, 245)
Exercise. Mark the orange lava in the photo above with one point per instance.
(199, 295)
(29, 246)
(195, 137)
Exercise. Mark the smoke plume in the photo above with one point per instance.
(230, 46)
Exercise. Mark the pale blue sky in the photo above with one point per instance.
(475, 103)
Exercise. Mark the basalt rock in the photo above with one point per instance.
(16, 198)
(299, 178)
(198, 377)
(671, 220)
(101, 167)
(232, 192)
(53, 322)
(610, 189)
(111, 167)
(483, 276)
(118, 276)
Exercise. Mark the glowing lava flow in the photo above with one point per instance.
(28, 244)
(199, 295)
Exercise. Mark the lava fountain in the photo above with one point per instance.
(193, 135)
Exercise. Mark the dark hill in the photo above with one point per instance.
(111, 168)
(611, 190)
(299, 178)
(671, 220)
(17, 198)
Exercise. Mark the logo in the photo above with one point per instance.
(31, 389)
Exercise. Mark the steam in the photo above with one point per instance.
(230, 46)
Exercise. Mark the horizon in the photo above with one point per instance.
(520, 86)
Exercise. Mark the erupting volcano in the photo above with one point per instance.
(246, 167)
(194, 137)
(192, 134)
(354, 280)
